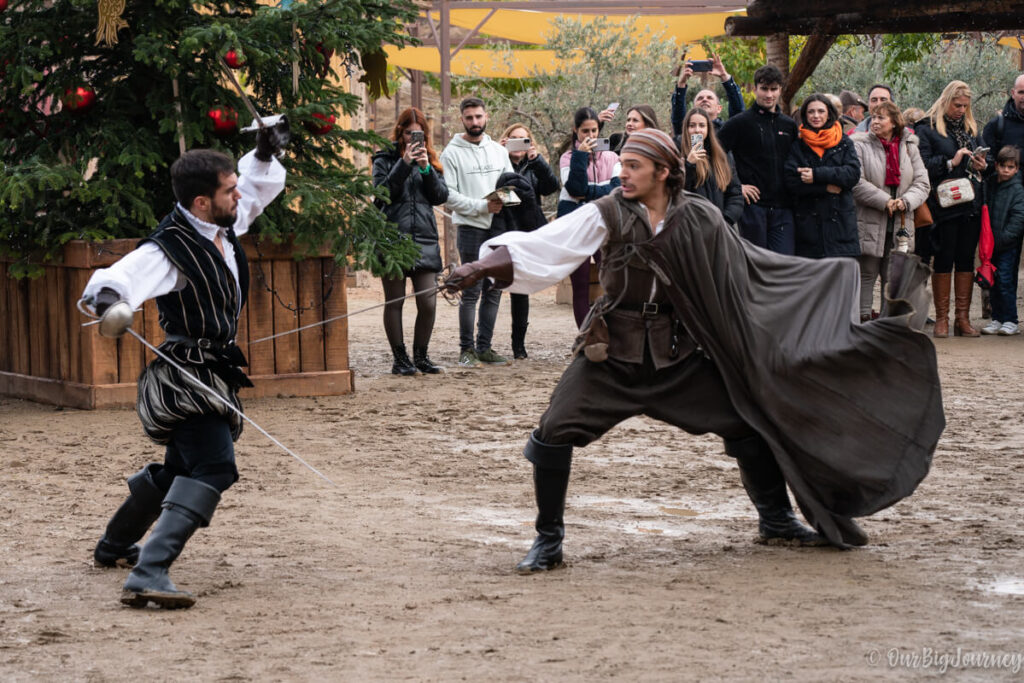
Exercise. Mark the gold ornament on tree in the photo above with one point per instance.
(110, 12)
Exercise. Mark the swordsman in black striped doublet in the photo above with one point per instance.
(195, 268)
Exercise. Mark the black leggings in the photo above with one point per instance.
(955, 241)
(425, 308)
(520, 310)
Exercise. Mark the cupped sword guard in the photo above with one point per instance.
(116, 320)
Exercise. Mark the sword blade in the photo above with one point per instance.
(212, 392)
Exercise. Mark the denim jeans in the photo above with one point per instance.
(469, 241)
(1004, 290)
(769, 227)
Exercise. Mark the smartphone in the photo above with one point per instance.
(613, 107)
(696, 141)
(700, 65)
(416, 137)
(602, 145)
(981, 151)
(517, 144)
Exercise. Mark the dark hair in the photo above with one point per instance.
(833, 115)
(197, 173)
(676, 180)
(1008, 153)
(893, 113)
(769, 74)
(471, 102)
(883, 86)
(582, 114)
(646, 112)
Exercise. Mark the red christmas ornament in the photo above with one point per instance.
(327, 53)
(78, 100)
(225, 120)
(3, 5)
(325, 128)
(233, 58)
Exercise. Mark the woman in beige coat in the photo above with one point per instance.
(886, 195)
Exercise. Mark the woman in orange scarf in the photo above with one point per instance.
(820, 175)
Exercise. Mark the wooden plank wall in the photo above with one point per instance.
(41, 333)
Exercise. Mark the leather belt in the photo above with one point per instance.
(647, 309)
(201, 343)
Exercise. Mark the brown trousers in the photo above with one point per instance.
(591, 398)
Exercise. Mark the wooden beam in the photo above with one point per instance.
(856, 22)
(810, 56)
(790, 9)
(473, 33)
(603, 6)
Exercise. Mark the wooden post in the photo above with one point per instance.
(777, 49)
(450, 252)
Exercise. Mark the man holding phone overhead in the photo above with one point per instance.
(705, 99)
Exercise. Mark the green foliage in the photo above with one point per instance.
(605, 64)
(918, 67)
(104, 173)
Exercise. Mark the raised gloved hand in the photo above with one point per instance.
(115, 313)
(497, 264)
(270, 140)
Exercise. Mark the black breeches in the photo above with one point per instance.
(200, 448)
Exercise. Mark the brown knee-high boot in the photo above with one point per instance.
(963, 284)
(940, 292)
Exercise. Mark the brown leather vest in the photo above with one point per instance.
(629, 283)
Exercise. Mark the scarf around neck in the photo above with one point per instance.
(956, 129)
(821, 140)
(892, 161)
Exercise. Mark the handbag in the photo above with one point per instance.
(923, 216)
(954, 191)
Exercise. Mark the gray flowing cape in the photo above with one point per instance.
(852, 411)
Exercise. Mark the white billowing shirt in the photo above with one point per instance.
(550, 253)
(146, 272)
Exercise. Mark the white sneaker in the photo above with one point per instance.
(992, 328)
(1009, 329)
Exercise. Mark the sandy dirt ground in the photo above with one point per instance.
(403, 571)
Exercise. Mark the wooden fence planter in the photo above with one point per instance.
(46, 355)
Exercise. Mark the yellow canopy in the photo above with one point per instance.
(532, 27)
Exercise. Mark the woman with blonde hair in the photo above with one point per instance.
(949, 136)
(411, 171)
(710, 170)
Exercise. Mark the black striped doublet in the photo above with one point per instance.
(206, 308)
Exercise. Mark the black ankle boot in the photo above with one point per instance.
(550, 483)
(766, 487)
(519, 341)
(189, 504)
(131, 521)
(402, 364)
(423, 362)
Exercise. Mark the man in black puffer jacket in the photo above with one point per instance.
(1007, 128)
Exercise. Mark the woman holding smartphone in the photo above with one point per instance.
(588, 173)
(951, 148)
(412, 174)
(710, 170)
(527, 162)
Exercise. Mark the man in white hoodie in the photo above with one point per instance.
(472, 163)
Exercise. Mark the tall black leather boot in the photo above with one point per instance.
(551, 465)
(189, 504)
(402, 364)
(422, 361)
(766, 487)
(519, 341)
(131, 521)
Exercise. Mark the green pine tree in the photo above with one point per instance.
(103, 172)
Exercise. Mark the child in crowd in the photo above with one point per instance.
(1006, 209)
